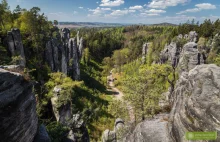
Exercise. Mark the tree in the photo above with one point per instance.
(144, 89)
(55, 22)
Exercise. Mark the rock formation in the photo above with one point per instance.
(15, 46)
(193, 36)
(65, 54)
(195, 102)
(18, 117)
(112, 136)
(170, 54)
(144, 52)
(190, 57)
(154, 130)
(65, 116)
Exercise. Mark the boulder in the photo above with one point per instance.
(18, 115)
(195, 100)
(190, 57)
(15, 45)
(154, 130)
(109, 136)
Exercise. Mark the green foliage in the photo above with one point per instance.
(57, 131)
(144, 89)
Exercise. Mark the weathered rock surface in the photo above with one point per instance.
(196, 105)
(144, 52)
(112, 136)
(18, 116)
(64, 113)
(65, 54)
(190, 57)
(15, 46)
(154, 130)
(170, 54)
(193, 36)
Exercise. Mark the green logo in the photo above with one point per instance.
(201, 135)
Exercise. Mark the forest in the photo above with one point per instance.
(116, 50)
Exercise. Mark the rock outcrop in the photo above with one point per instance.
(171, 54)
(193, 36)
(65, 54)
(144, 52)
(18, 117)
(113, 136)
(74, 122)
(195, 102)
(15, 46)
(154, 130)
(190, 57)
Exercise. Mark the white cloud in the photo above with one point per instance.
(162, 4)
(205, 6)
(112, 3)
(137, 7)
(75, 12)
(119, 12)
(198, 7)
(97, 2)
(99, 11)
(155, 11)
(80, 7)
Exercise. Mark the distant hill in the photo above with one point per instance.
(164, 24)
(89, 24)
(101, 25)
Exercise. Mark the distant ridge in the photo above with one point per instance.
(100, 24)
(164, 24)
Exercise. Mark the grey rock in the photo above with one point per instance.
(170, 54)
(180, 36)
(15, 45)
(18, 116)
(64, 113)
(186, 36)
(190, 57)
(196, 105)
(154, 130)
(42, 135)
(65, 35)
(144, 52)
(77, 38)
(193, 36)
(109, 136)
(49, 55)
(81, 47)
(119, 124)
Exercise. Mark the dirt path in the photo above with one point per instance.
(118, 95)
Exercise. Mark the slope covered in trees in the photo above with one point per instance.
(105, 49)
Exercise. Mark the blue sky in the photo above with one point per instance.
(124, 11)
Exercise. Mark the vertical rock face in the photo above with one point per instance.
(193, 36)
(144, 52)
(190, 57)
(195, 102)
(15, 46)
(65, 56)
(111, 136)
(170, 54)
(65, 35)
(18, 116)
(64, 113)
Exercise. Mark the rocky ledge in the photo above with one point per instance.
(19, 122)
